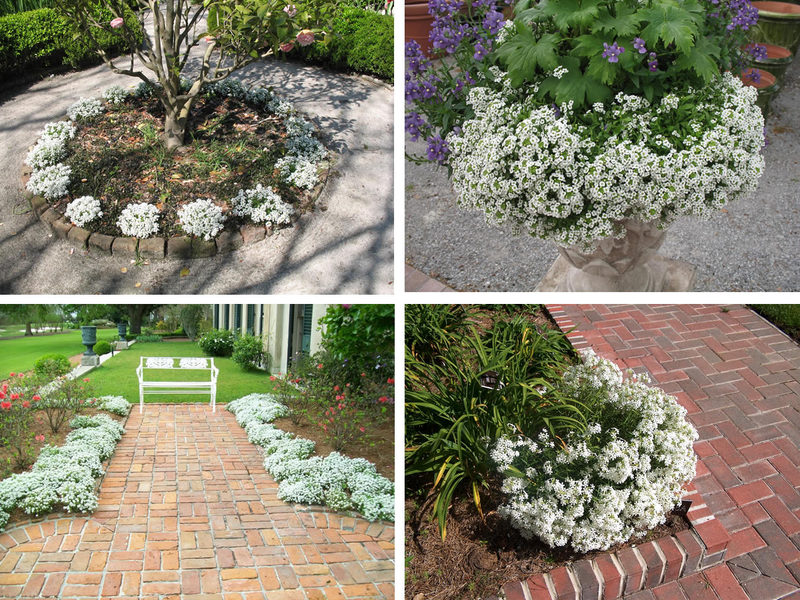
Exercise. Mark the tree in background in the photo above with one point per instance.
(191, 316)
(28, 314)
(229, 33)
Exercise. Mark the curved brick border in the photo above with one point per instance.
(178, 247)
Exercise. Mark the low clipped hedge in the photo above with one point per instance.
(362, 41)
(43, 39)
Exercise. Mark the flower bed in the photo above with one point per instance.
(253, 164)
(605, 483)
(65, 476)
(337, 481)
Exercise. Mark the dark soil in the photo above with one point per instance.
(479, 555)
(120, 159)
(377, 445)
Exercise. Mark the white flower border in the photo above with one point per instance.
(304, 157)
(337, 481)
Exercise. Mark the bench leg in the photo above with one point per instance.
(141, 400)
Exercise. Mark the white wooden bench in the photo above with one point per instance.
(163, 363)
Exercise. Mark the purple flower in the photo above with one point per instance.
(437, 149)
(757, 51)
(612, 52)
(415, 58)
(745, 15)
(653, 62)
(493, 21)
(638, 43)
(444, 7)
(754, 75)
(480, 51)
(415, 125)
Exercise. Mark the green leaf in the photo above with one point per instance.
(571, 13)
(624, 23)
(700, 59)
(670, 24)
(602, 70)
(523, 54)
(588, 45)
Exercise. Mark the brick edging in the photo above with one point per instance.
(177, 247)
(640, 566)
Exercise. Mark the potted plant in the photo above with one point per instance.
(593, 124)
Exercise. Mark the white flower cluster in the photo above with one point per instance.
(571, 177)
(138, 220)
(600, 487)
(63, 476)
(202, 218)
(115, 94)
(262, 205)
(85, 108)
(340, 482)
(50, 182)
(300, 167)
(47, 152)
(59, 130)
(114, 404)
(83, 210)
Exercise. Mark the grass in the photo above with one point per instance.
(117, 376)
(9, 7)
(19, 354)
(785, 316)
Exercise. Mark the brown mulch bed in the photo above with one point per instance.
(479, 555)
(377, 446)
(118, 157)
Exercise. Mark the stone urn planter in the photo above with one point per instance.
(122, 343)
(625, 264)
(778, 24)
(89, 339)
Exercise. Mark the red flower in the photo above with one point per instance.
(361, 429)
(20, 375)
(12, 374)
(5, 405)
(341, 406)
(86, 380)
(272, 377)
(297, 380)
(319, 366)
(336, 388)
(363, 374)
(26, 404)
(390, 381)
(40, 437)
(2, 395)
(36, 397)
(340, 397)
(15, 396)
(383, 399)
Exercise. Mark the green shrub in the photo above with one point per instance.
(217, 342)
(102, 347)
(149, 337)
(361, 41)
(52, 366)
(43, 38)
(784, 316)
(248, 352)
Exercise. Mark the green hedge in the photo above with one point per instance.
(361, 41)
(41, 39)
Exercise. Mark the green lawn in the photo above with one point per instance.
(117, 376)
(20, 354)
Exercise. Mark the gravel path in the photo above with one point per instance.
(345, 246)
(750, 246)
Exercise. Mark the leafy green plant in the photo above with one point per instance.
(149, 337)
(102, 347)
(249, 353)
(431, 328)
(52, 365)
(784, 316)
(217, 342)
(467, 397)
(65, 399)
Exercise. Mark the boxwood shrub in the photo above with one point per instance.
(362, 41)
(44, 39)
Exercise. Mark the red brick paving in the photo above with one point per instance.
(187, 510)
(739, 379)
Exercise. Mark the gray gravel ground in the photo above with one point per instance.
(753, 245)
(345, 246)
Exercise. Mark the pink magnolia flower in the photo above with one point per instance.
(287, 46)
(117, 23)
(290, 10)
(305, 37)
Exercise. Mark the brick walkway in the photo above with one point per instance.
(739, 379)
(188, 511)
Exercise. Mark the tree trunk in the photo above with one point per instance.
(28, 330)
(174, 129)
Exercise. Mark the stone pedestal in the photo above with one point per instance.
(90, 360)
(120, 346)
(626, 264)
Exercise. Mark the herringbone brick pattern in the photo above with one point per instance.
(188, 511)
(739, 379)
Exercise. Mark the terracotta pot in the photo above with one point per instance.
(778, 24)
(418, 24)
(777, 61)
(767, 86)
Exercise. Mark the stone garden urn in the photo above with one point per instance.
(89, 339)
(122, 343)
(627, 264)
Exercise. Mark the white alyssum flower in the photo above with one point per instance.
(47, 152)
(59, 130)
(600, 487)
(139, 220)
(115, 94)
(85, 108)
(558, 176)
(262, 205)
(83, 210)
(114, 404)
(51, 182)
(298, 171)
(202, 218)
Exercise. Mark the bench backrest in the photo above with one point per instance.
(176, 363)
